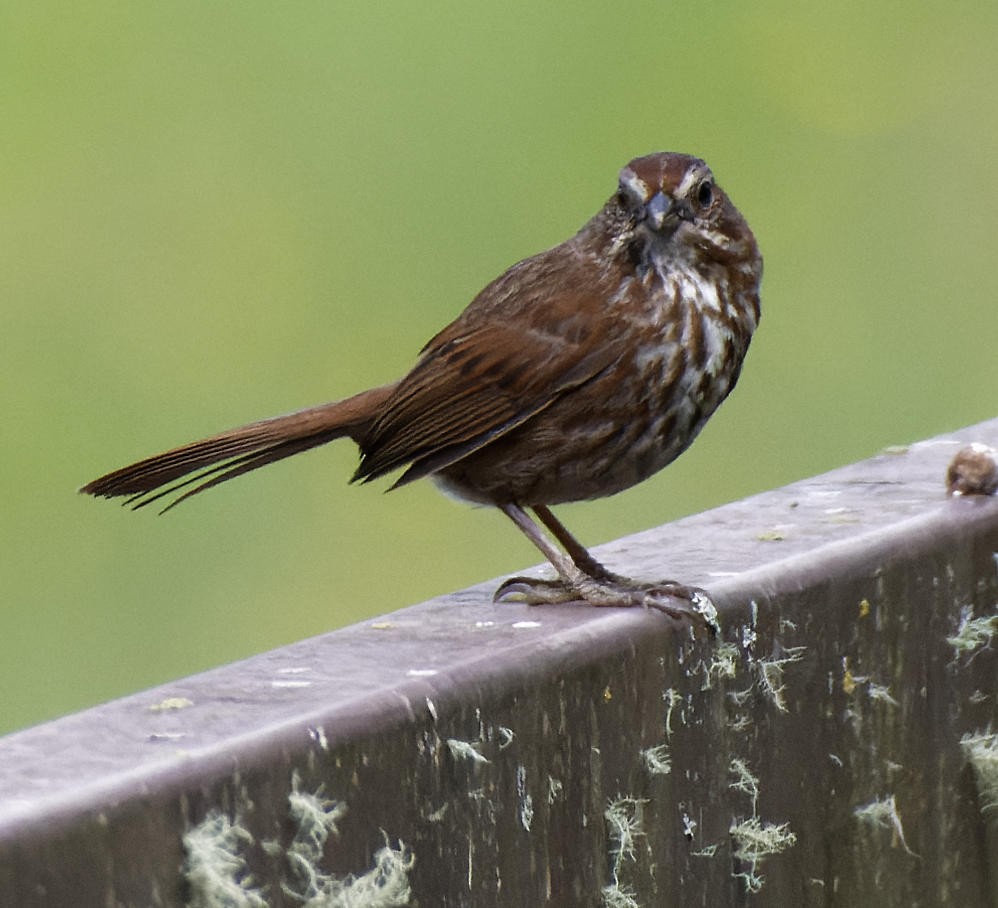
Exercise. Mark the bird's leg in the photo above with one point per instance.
(583, 579)
(585, 562)
(575, 549)
(535, 590)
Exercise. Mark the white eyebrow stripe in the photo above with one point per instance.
(693, 175)
(634, 183)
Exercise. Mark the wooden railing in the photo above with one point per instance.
(837, 744)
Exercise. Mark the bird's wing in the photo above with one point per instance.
(483, 376)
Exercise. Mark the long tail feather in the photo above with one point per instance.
(224, 456)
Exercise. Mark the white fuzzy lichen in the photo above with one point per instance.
(657, 760)
(315, 818)
(771, 676)
(744, 781)
(982, 753)
(883, 813)
(215, 868)
(672, 699)
(466, 750)
(616, 896)
(754, 841)
(217, 874)
(723, 665)
(625, 817)
(973, 634)
(385, 885)
(881, 693)
(524, 797)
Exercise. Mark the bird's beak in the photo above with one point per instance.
(661, 207)
(656, 210)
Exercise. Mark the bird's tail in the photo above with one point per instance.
(224, 456)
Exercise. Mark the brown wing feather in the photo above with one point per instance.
(441, 415)
(480, 377)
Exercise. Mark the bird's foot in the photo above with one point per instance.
(677, 600)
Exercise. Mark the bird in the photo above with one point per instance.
(577, 373)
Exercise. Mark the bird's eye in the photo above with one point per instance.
(705, 194)
(622, 198)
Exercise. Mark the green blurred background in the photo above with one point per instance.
(216, 212)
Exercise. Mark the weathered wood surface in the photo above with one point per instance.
(484, 754)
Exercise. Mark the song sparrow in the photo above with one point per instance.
(578, 373)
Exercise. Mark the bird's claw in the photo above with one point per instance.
(536, 591)
(618, 592)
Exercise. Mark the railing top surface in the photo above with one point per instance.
(413, 661)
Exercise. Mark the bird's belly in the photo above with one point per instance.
(597, 440)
